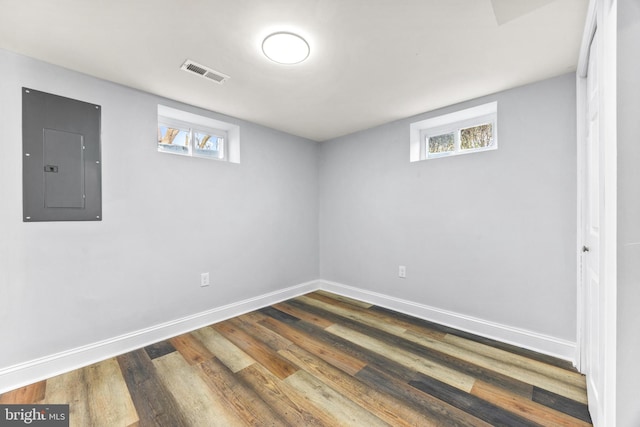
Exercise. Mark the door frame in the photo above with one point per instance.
(602, 14)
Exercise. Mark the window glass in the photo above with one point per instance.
(207, 144)
(173, 139)
(476, 137)
(441, 143)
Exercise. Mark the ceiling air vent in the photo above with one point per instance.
(206, 72)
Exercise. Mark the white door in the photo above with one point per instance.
(591, 211)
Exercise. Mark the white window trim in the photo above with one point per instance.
(195, 122)
(420, 131)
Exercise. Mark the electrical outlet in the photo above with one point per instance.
(204, 279)
(402, 271)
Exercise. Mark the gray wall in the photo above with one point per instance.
(490, 235)
(628, 111)
(252, 225)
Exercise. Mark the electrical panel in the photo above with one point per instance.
(61, 169)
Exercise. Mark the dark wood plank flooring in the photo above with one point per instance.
(320, 360)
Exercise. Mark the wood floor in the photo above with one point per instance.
(320, 360)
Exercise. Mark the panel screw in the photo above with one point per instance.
(27, 154)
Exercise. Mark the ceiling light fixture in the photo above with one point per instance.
(285, 48)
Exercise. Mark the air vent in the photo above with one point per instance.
(206, 72)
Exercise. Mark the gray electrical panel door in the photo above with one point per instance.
(61, 158)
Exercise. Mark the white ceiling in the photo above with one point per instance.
(371, 62)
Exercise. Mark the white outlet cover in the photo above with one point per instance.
(204, 279)
(402, 271)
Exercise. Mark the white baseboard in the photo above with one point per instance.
(46, 367)
(540, 343)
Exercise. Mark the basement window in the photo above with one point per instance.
(188, 134)
(467, 131)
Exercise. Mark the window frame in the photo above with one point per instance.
(455, 122)
(175, 124)
(218, 133)
(230, 133)
(191, 129)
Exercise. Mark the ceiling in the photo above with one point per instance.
(371, 62)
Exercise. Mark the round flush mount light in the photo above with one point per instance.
(285, 48)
